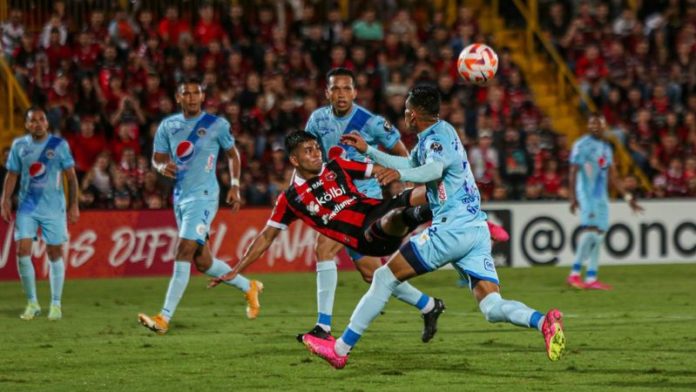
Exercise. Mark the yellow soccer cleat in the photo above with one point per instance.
(32, 310)
(156, 324)
(252, 298)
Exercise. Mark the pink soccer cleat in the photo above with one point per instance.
(552, 329)
(498, 233)
(575, 281)
(324, 349)
(596, 285)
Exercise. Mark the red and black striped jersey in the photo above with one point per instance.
(330, 203)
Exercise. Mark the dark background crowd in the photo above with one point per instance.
(109, 78)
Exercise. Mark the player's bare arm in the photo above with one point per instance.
(618, 185)
(8, 189)
(164, 165)
(261, 243)
(234, 164)
(73, 209)
(571, 180)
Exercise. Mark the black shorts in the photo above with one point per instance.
(387, 245)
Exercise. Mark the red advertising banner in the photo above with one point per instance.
(143, 243)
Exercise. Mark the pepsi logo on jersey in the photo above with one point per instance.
(185, 151)
(37, 171)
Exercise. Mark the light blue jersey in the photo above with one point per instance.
(458, 233)
(455, 195)
(40, 167)
(593, 157)
(374, 129)
(194, 144)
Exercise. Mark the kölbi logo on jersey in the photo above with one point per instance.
(185, 151)
(331, 194)
(37, 171)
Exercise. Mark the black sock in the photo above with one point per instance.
(416, 216)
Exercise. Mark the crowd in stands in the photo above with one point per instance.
(109, 79)
(640, 70)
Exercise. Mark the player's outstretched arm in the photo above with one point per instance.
(7, 191)
(261, 243)
(235, 167)
(73, 208)
(618, 185)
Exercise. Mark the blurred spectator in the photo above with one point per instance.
(127, 135)
(12, 32)
(368, 28)
(98, 180)
(54, 26)
(122, 197)
(484, 164)
(171, 27)
(86, 145)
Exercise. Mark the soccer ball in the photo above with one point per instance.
(477, 64)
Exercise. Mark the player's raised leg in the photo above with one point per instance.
(216, 268)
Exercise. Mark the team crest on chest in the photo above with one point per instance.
(50, 154)
(200, 132)
(330, 175)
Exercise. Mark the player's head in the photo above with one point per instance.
(595, 124)
(422, 106)
(340, 90)
(35, 122)
(190, 96)
(304, 153)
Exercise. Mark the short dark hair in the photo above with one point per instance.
(296, 138)
(188, 80)
(33, 108)
(340, 71)
(426, 98)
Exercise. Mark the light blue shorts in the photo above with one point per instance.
(54, 230)
(194, 219)
(466, 247)
(594, 213)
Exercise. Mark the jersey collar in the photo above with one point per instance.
(297, 180)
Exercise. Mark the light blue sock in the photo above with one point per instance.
(497, 309)
(327, 278)
(219, 268)
(177, 286)
(587, 240)
(593, 265)
(56, 276)
(383, 284)
(411, 295)
(26, 274)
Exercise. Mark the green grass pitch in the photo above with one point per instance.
(639, 337)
